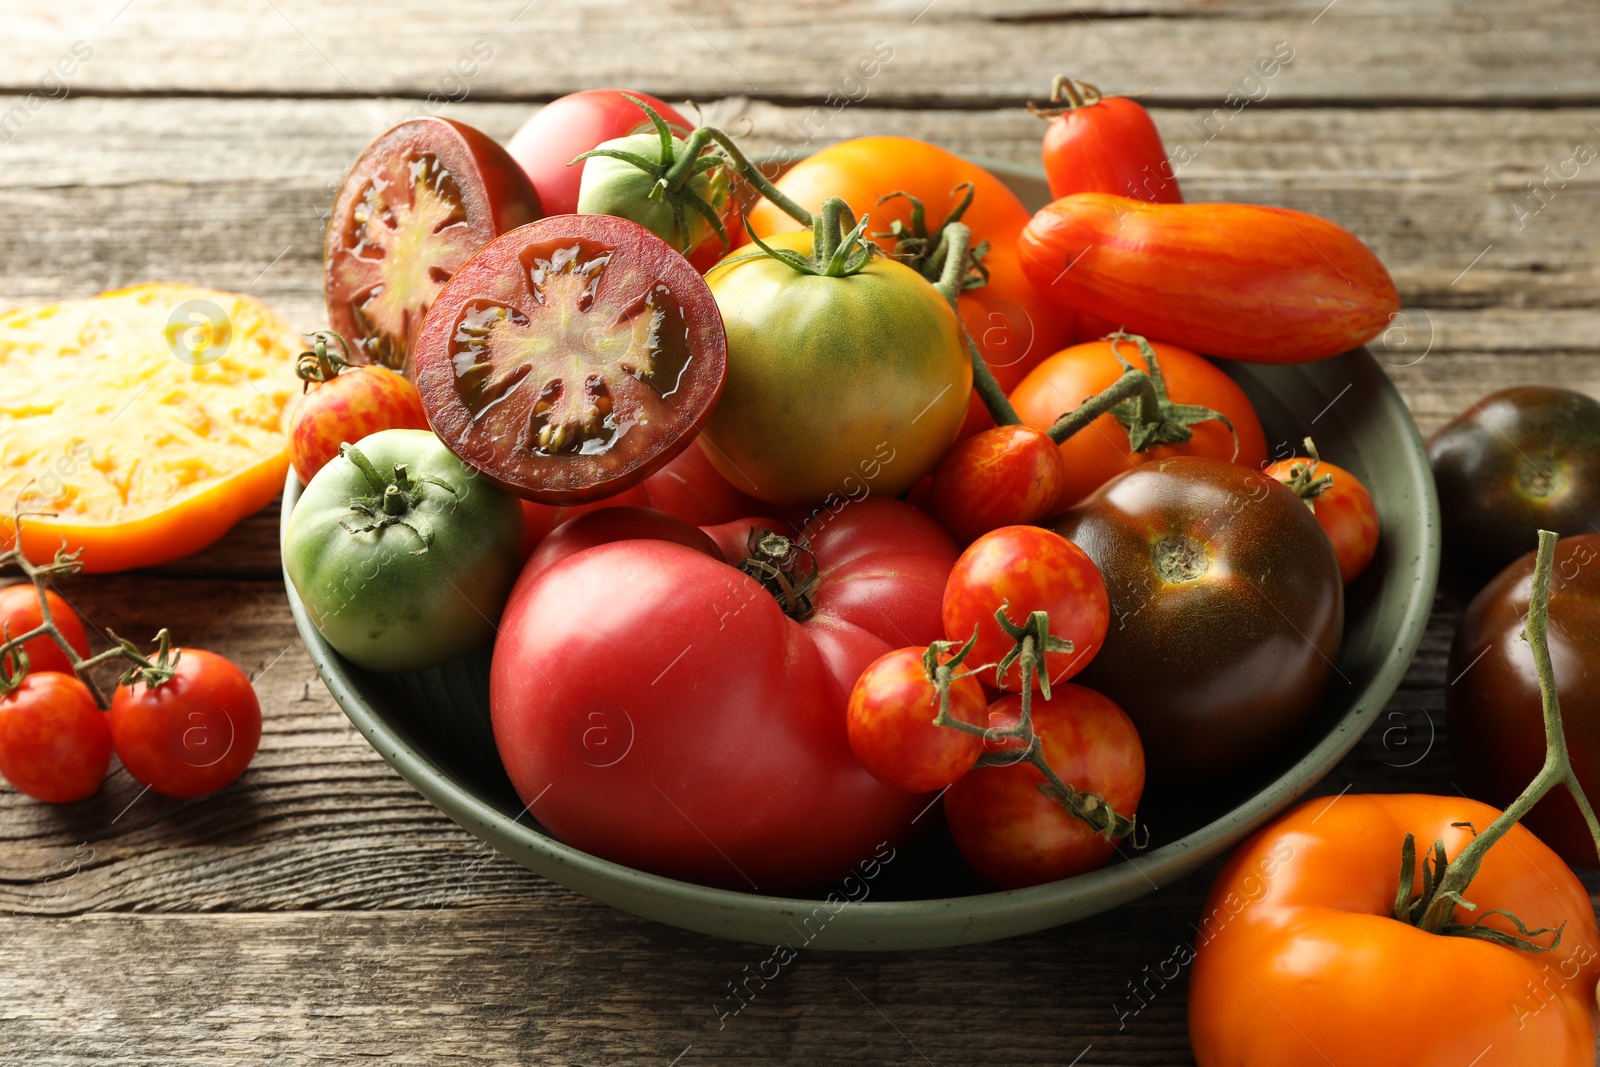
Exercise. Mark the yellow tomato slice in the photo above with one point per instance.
(147, 420)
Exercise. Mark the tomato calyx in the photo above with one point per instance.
(319, 365)
(1303, 480)
(1445, 882)
(1140, 402)
(394, 500)
(153, 673)
(1068, 95)
(838, 248)
(1033, 639)
(787, 569)
(919, 249)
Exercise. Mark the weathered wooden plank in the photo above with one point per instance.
(1494, 51)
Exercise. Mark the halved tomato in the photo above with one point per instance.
(572, 358)
(420, 202)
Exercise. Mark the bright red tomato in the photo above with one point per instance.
(1026, 569)
(192, 735)
(1016, 836)
(1007, 476)
(890, 720)
(55, 745)
(359, 402)
(571, 125)
(1343, 508)
(1102, 450)
(19, 613)
(1105, 144)
(656, 707)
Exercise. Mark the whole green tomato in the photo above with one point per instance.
(616, 187)
(837, 387)
(402, 556)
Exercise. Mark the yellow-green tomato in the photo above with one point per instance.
(836, 387)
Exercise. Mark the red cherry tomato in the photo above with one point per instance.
(1007, 476)
(19, 613)
(1344, 509)
(1027, 569)
(1016, 836)
(192, 735)
(55, 744)
(359, 402)
(890, 718)
(571, 125)
(1106, 144)
(572, 358)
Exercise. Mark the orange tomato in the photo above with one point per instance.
(1101, 450)
(1300, 960)
(1012, 323)
(148, 420)
(1345, 511)
(1239, 281)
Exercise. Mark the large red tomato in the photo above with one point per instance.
(656, 707)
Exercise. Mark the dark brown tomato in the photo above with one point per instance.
(572, 358)
(422, 200)
(1518, 461)
(1496, 720)
(1226, 611)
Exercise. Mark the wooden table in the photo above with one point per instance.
(319, 910)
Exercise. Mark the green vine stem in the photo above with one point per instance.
(951, 258)
(14, 661)
(1140, 402)
(1033, 639)
(923, 251)
(1445, 883)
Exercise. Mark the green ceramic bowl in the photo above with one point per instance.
(433, 727)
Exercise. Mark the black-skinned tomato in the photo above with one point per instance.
(572, 358)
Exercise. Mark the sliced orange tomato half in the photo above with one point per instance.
(139, 425)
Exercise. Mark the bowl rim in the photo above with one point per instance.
(903, 923)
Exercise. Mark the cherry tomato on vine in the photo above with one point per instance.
(565, 128)
(192, 734)
(1007, 476)
(55, 744)
(342, 405)
(19, 613)
(421, 200)
(890, 718)
(572, 358)
(1102, 450)
(1342, 505)
(1026, 569)
(1011, 832)
(1104, 144)
(1300, 959)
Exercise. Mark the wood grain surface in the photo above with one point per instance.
(319, 910)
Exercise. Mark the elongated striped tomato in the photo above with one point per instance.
(1239, 281)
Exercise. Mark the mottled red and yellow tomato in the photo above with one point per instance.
(891, 722)
(357, 403)
(1006, 476)
(572, 358)
(1342, 505)
(421, 200)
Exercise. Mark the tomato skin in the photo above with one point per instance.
(1027, 569)
(1492, 499)
(725, 721)
(1495, 713)
(1237, 281)
(1299, 959)
(1100, 451)
(617, 187)
(357, 403)
(571, 125)
(1007, 476)
(837, 387)
(1014, 835)
(190, 736)
(19, 613)
(890, 720)
(378, 600)
(55, 743)
(1227, 610)
(1345, 511)
(1109, 146)
(1012, 322)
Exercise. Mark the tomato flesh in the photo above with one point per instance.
(572, 358)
